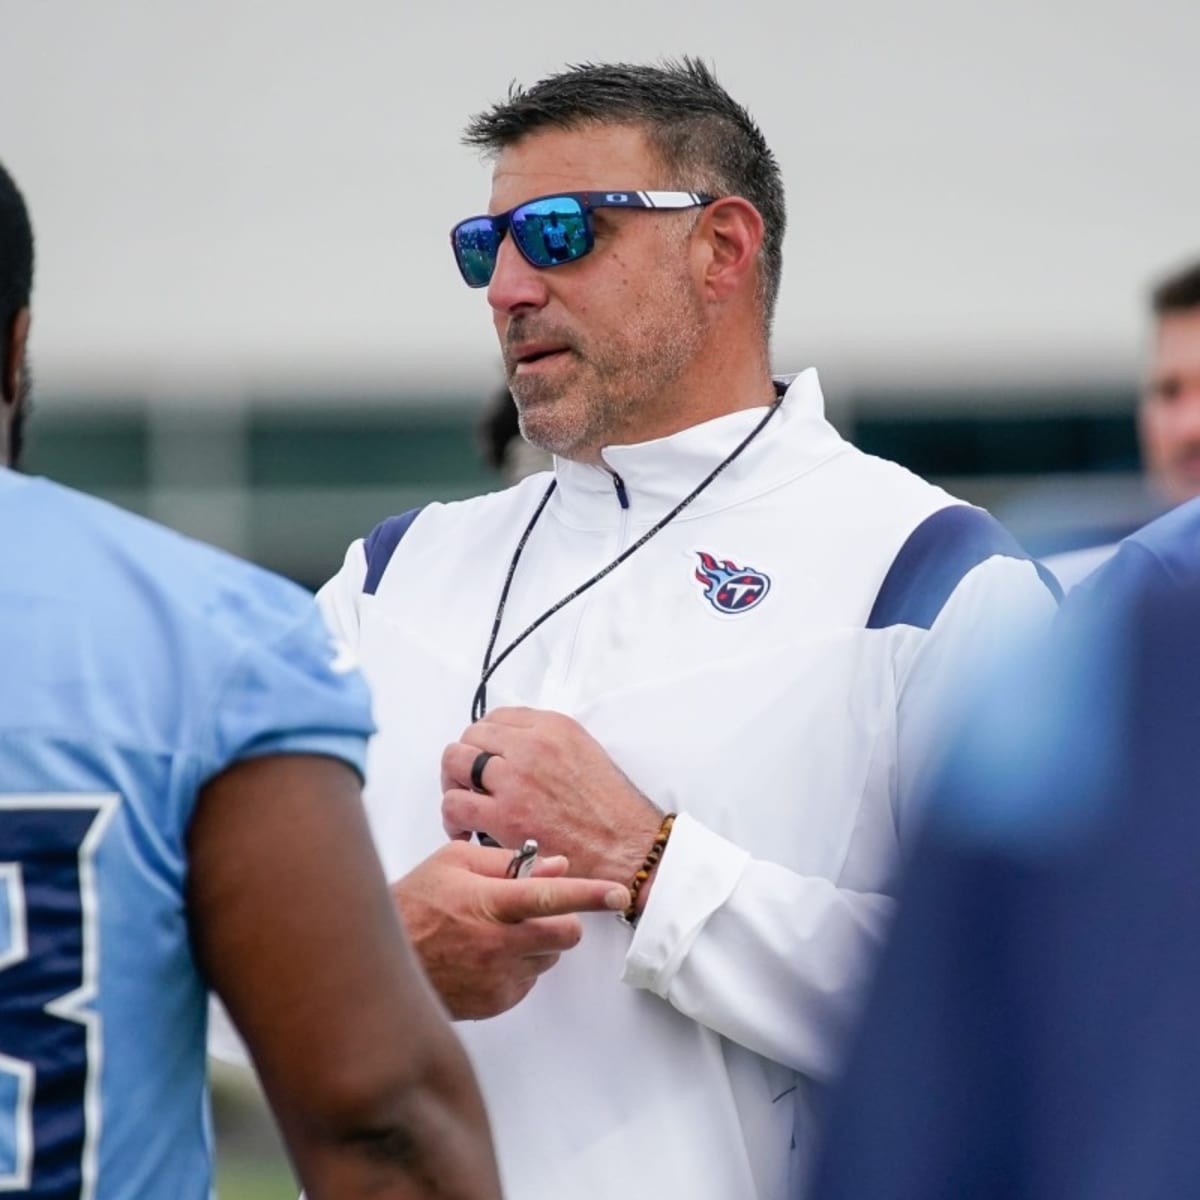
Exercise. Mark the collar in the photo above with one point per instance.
(656, 475)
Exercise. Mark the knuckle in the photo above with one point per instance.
(546, 900)
(563, 726)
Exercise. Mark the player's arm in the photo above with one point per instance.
(293, 925)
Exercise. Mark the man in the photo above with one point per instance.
(554, 233)
(1168, 412)
(179, 755)
(1035, 1031)
(715, 608)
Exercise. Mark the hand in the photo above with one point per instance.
(484, 939)
(550, 780)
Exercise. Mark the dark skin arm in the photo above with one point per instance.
(294, 928)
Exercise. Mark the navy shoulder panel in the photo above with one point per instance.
(380, 544)
(938, 554)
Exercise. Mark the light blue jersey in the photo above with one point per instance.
(134, 666)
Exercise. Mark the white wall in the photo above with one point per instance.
(256, 192)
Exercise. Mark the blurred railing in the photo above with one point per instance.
(289, 485)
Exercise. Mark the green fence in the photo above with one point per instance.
(290, 485)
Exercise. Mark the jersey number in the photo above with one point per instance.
(49, 1035)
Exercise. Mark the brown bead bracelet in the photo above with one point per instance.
(630, 915)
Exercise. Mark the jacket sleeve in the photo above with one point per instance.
(339, 598)
(777, 961)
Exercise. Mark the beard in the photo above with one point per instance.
(610, 387)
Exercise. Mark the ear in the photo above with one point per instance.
(14, 359)
(10, 386)
(732, 233)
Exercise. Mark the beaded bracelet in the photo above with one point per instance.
(630, 915)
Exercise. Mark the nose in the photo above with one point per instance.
(516, 285)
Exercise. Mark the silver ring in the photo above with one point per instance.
(521, 862)
(481, 761)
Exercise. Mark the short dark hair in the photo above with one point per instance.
(16, 259)
(497, 427)
(1179, 291)
(706, 140)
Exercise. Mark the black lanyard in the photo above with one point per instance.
(479, 702)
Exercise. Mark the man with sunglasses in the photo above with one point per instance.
(701, 657)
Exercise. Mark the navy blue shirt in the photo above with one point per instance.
(1035, 1026)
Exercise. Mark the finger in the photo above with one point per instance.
(550, 867)
(487, 734)
(458, 758)
(514, 716)
(452, 771)
(540, 962)
(534, 940)
(491, 861)
(548, 897)
(541, 936)
(466, 812)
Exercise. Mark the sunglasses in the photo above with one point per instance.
(549, 230)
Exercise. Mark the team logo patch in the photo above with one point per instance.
(730, 589)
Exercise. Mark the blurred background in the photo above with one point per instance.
(247, 322)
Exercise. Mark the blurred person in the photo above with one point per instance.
(180, 752)
(501, 444)
(699, 657)
(1168, 412)
(1034, 1032)
(556, 238)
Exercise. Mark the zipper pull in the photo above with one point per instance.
(622, 494)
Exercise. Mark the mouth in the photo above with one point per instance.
(531, 358)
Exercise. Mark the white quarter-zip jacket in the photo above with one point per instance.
(770, 665)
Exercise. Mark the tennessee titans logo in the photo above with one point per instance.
(728, 588)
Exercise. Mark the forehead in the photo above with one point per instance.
(587, 158)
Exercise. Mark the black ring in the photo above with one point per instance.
(481, 761)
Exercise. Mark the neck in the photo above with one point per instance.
(719, 384)
(713, 385)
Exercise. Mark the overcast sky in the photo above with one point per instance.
(256, 193)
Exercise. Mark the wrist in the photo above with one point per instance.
(643, 877)
(626, 857)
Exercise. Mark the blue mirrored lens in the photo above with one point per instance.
(552, 230)
(475, 246)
